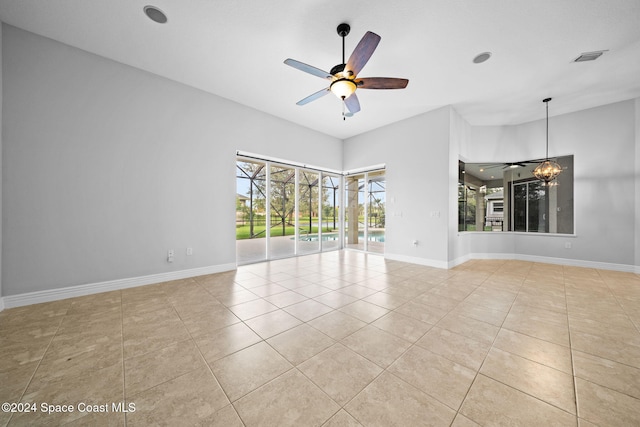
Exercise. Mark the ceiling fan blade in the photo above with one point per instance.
(308, 68)
(313, 96)
(382, 83)
(352, 103)
(362, 52)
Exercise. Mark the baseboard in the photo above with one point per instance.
(19, 300)
(559, 261)
(520, 257)
(417, 260)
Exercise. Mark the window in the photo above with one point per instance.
(506, 197)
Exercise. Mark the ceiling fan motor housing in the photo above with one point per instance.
(343, 30)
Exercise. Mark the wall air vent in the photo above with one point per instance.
(589, 56)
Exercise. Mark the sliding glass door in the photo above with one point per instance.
(284, 210)
(365, 216)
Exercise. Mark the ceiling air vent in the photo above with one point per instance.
(589, 56)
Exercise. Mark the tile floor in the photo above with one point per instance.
(337, 339)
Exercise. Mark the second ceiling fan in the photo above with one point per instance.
(344, 77)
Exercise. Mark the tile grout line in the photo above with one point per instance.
(40, 362)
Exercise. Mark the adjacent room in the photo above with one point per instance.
(308, 213)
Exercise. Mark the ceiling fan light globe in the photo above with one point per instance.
(343, 88)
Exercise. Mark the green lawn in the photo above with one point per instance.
(242, 231)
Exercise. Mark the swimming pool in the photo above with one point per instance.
(373, 236)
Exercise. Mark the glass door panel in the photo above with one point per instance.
(282, 212)
(251, 189)
(308, 187)
(330, 212)
(376, 201)
(354, 213)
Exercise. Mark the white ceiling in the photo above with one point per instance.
(235, 49)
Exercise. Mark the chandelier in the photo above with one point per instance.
(548, 170)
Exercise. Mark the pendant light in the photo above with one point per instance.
(548, 170)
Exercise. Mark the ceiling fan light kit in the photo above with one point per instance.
(548, 170)
(344, 76)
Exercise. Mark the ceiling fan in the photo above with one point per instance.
(344, 76)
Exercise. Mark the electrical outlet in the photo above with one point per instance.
(567, 245)
(189, 251)
(170, 255)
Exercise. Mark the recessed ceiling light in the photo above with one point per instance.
(480, 58)
(155, 14)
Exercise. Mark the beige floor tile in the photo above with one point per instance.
(284, 299)
(422, 312)
(225, 417)
(357, 291)
(389, 401)
(15, 353)
(337, 325)
(608, 347)
(185, 400)
(29, 331)
(606, 407)
(450, 289)
(437, 301)
(208, 321)
(15, 380)
(543, 352)
(225, 341)
(150, 369)
(538, 327)
(342, 419)
(622, 378)
(364, 311)
(547, 384)
(248, 369)
(462, 421)
(57, 349)
(194, 306)
(468, 327)
(99, 387)
(300, 343)
(95, 303)
(273, 323)
(236, 297)
(250, 309)
(266, 290)
(335, 299)
(442, 379)
(78, 354)
(108, 322)
(490, 402)
(147, 336)
(478, 312)
(289, 400)
(378, 346)
(20, 316)
(307, 310)
(457, 348)
(340, 372)
(402, 326)
(313, 290)
(385, 300)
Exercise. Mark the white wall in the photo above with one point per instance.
(1, 173)
(106, 167)
(637, 186)
(416, 153)
(605, 197)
